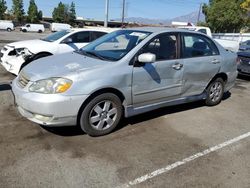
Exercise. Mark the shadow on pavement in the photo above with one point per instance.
(76, 130)
(243, 77)
(4, 87)
(65, 131)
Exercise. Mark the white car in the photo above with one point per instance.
(6, 25)
(33, 28)
(15, 56)
(59, 26)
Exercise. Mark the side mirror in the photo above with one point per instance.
(147, 58)
(67, 40)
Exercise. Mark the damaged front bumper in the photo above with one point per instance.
(13, 59)
(14, 64)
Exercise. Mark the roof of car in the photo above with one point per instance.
(158, 29)
(102, 29)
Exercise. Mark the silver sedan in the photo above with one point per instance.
(124, 73)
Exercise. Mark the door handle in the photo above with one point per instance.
(177, 66)
(215, 61)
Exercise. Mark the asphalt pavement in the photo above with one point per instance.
(188, 145)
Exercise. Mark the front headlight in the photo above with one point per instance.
(51, 85)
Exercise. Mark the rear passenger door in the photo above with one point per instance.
(162, 80)
(201, 62)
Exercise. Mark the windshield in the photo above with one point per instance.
(115, 45)
(55, 36)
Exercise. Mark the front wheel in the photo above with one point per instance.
(101, 115)
(9, 29)
(215, 92)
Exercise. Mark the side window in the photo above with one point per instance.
(198, 46)
(163, 46)
(96, 34)
(203, 31)
(81, 37)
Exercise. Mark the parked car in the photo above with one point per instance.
(60, 26)
(244, 63)
(245, 46)
(33, 28)
(6, 25)
(126, 72)
(15, 56)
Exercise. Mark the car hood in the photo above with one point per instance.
(60, 66)
(29, 44)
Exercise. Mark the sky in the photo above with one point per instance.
(95, 9)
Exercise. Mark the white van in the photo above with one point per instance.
(33, 28)
(6, 25)
(60, 26)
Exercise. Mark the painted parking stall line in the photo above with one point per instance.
(184, 161)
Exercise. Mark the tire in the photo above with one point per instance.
(9, 29)
(105, 110)
(40, 31)
(24, 30)
(215, 92)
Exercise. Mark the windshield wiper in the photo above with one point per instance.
(92, 54)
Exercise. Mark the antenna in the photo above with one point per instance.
(106, 14)
(199, 14)
(123, 11)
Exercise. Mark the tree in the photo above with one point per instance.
(246, 5)
(3, 8)
(224, 15)
(40, 15)
(72, 13)
(64, 13)
(17, 9)
(32, 12)
(58, 13)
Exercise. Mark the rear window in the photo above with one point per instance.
(198, 46)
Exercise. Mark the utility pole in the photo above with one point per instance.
(199, 14)
(106, 14)
(123, 11)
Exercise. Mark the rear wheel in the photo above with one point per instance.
(215, 92)
(9, 29)
(101, 115)
(40, 31)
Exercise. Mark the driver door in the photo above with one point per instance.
(161, 80)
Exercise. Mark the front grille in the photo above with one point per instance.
(245, 61)
(22, 80)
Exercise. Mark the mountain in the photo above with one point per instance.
(192, 17)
